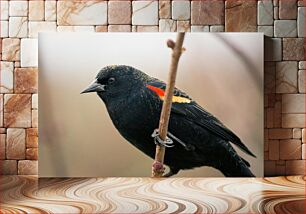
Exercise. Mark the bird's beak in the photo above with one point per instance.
(94, 87)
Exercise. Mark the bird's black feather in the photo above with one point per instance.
(197, 114)
(200, 139)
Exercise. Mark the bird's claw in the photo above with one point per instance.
(158, 141)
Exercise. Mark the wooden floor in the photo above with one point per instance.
(139, 195)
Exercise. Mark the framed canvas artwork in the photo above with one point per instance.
(100, 97)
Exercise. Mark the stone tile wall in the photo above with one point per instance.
(282, 21)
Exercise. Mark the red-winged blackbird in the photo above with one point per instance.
(134, 101)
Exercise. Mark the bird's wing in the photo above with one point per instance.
(198, 115)
(203, 118)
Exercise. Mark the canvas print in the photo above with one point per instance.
(101, 97)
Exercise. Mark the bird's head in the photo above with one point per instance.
(113, 81)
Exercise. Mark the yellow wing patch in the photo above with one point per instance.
(161, 93)
(177, 99)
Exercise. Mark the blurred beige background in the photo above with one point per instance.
(222, 72)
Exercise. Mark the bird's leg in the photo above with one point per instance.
(172, 171)
(158, 141)
(158, 167)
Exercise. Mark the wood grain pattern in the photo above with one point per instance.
(139, 195)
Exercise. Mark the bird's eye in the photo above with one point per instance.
(111, 80)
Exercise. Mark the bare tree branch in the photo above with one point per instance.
(157, 168)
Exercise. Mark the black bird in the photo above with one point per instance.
(134, 102)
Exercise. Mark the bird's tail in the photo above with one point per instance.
(233, 165)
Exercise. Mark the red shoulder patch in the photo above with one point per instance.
(160, 92)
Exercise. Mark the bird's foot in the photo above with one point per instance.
(158, 141)
(158, 168)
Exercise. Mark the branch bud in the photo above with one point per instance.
(170, 43)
